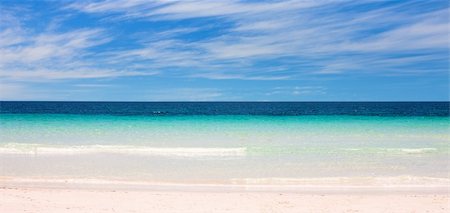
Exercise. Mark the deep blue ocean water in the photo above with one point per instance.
(231, 108)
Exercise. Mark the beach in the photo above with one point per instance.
(51, 200)
(384, 195)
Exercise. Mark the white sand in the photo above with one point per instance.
(319, 195)
(48, 200)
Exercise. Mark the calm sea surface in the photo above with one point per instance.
(223, 142)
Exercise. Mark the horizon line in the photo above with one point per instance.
(385, 101)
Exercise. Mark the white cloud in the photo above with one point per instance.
(297, 91)
(80, 73)
(424, 34)
(223, 76)
(93, 85)
(185, 94)
(308, 30)
(48, 45)
(108, 5)
(53, 55)
(188, 9)
(308, 37)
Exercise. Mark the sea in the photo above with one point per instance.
(224, 142)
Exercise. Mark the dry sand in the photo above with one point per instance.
(48, 200)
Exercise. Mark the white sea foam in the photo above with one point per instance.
(418, 150)
(365, 181)
(394, 150)
(338, 184)
(35, 149)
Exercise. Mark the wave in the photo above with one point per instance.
(42, 149)
(362, 180)
(418, 150)
(395, 150)
(383, 183)
(38, 149)
(292, 150)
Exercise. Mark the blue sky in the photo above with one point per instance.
(134, 50)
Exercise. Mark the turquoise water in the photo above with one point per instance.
(222, 148)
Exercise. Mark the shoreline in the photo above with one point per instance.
(336, 185)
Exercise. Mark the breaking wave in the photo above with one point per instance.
(38, 149)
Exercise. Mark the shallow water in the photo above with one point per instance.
(221, 146)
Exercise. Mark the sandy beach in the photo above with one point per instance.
(91, 200)
(46, 195)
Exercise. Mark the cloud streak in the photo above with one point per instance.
(52, 55)
(223, 41)
(308, 30)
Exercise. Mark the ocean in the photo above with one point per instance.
(224, 142)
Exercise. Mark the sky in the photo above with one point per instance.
(135, 50)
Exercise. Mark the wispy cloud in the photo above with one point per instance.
(187, 9)
(308, 30)
(228, 41)
(52, 55)
(79, 73)
(93, 85)
(297, 91)
(48, 46)
(185, 94)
